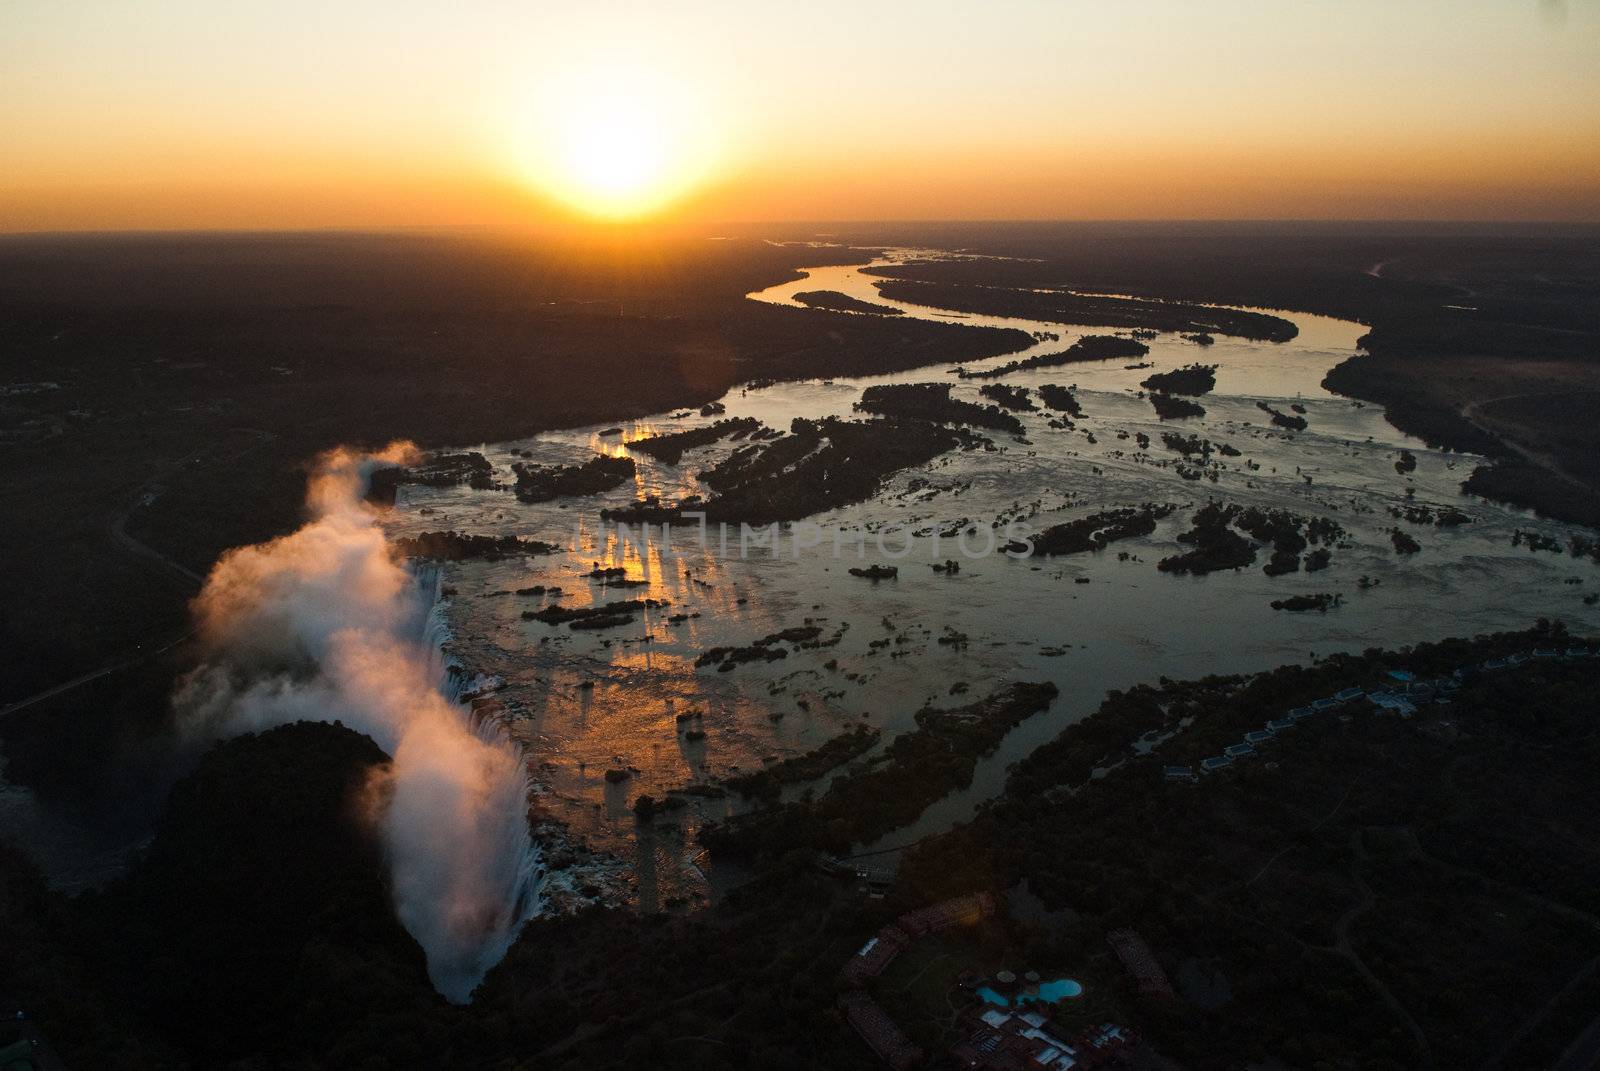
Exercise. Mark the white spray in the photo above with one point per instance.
(323, 625)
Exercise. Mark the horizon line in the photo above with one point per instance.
(662, 226)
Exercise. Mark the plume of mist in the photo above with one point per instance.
(324, 625)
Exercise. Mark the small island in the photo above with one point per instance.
(1193, 380)
(834, 301)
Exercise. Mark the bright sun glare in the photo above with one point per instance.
(616, 150)
(617, 143)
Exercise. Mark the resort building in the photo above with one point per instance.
(1393, 702)
(875, 956)
(1140, 962)
(961, 911)
(879, 1031)
(863, 1013)
(999, 1040)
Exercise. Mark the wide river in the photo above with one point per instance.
(586, 702)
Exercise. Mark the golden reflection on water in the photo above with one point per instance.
(608, 445)
(588, 702)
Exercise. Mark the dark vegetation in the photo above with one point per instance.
(1475, 922)
(671, 446)
(1292, 421)
(458, 546)
(1535, 541)
(1014, 398)
(1551, 429)
(213, 367)
(1061, 398)
(938, 283)
(437, 470)
(1193, 380)
(767, 649)
(258, 924)
(1288, 533)
(1403, 542)
(1473, 916)
(1321, 602)
(1187, 445)
(832, 299)
(1438, 516)
(541, 483)
(1169, 408)
(767, 782)
(1534, 487)
(819, 465)
(1087, 348)
(1501, 321)
(1099, 530)
(1218, 546)
(932, 401)
(1415, 404)
(95, 755)
(597, 616)
(916, 769)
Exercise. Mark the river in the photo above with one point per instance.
(585, 702)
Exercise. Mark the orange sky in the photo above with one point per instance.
(174, 114)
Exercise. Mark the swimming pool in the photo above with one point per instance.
(1049, 993)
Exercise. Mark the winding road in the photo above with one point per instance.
(186, 578)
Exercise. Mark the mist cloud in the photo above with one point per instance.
(324, 625)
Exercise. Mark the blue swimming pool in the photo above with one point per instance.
(1049, 993)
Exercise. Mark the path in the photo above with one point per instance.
(1344, 948)
(1470, 411)
(1584, 1053)
(174, 570)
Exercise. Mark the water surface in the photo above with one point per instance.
(583, 703)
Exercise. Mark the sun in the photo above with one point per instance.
(615, 150)
(617, 142)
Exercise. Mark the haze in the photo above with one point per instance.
(192, 115)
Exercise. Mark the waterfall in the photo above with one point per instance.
(324, 625)
(522, 872)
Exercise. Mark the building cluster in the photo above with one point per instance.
(1018, 1039)
(1399, 692)
(1001, 1040)
(863, 1013)
(1140, 963)
(1522, 658)
(882, 1036)
(876, 955)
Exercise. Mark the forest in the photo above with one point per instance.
(1364, 840)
